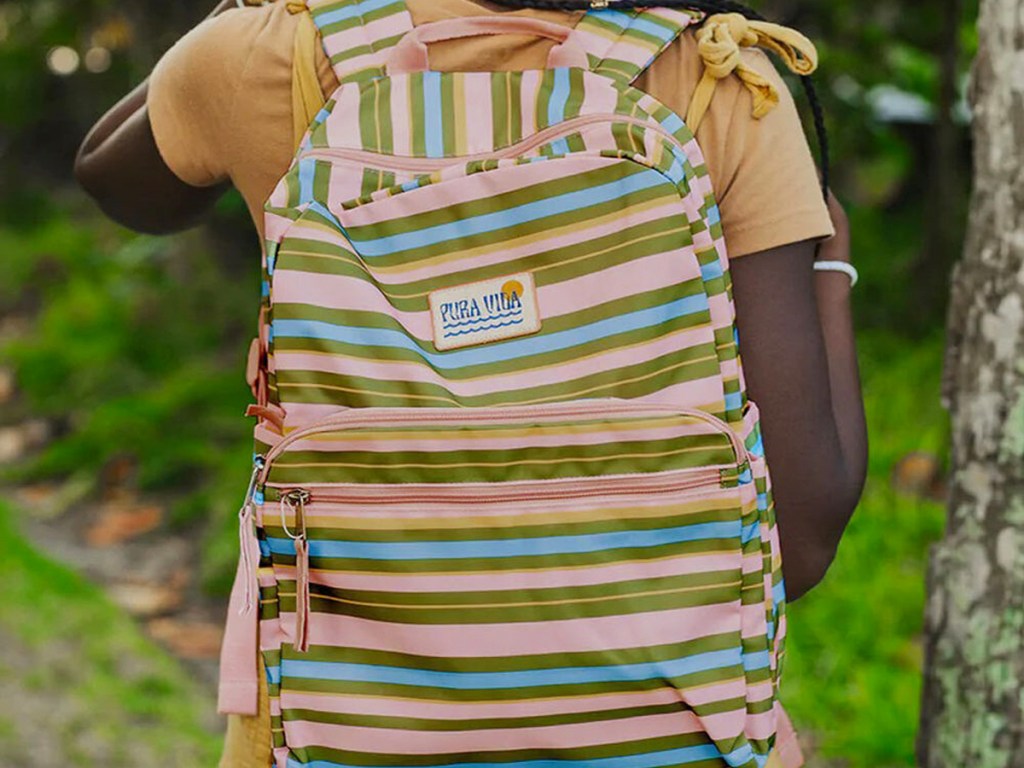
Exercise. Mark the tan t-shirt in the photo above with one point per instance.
(220, 104)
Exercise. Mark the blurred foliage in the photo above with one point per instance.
(81, 683)
(854, 655)
(133, 346)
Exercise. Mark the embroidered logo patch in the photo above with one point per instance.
(484, 312)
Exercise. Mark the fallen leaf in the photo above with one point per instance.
(119, 522)
(187, 639)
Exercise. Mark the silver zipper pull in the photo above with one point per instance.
(295, 501)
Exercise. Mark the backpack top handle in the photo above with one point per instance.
(411, 54)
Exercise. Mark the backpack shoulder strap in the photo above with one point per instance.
(358, 35)
(622, 44)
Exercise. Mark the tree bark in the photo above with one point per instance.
(973, 698)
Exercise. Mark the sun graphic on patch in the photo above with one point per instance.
(512, 289)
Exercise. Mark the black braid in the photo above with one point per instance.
(709, 6)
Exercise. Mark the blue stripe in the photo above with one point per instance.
(493, 681)
(351, 12)
(500, 548)
(618, 18)
(306, 168)
(492, 353)
(662, 759)
(733, 401)
(755, 661)
(520, 214)
(559, 147)
(657, 31)
(757, 449)
(559, 96)
(750, 532)
(673, 123)
(714, 215)
(432, 107)
(711, 271)
(779, 592)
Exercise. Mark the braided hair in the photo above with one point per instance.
(709, 6)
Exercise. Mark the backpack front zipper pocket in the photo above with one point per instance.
(529, 572)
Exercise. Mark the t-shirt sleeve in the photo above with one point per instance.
(763, 172)
(191, 97)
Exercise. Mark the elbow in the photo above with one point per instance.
(807, 558)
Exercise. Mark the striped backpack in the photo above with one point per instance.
(509, 504)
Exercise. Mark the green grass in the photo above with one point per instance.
(80, 680)
(854, 655)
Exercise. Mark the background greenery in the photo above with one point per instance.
(131, 348)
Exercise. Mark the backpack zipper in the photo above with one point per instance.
(356, 418)
(538, 139)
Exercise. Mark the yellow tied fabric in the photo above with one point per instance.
(719, 41)
(307, 97)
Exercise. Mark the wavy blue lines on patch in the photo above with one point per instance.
(482, 328)
(489, 318)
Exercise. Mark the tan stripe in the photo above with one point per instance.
(383, 574)
(535, 401)
(526, 603)
(498, 247)
(445, 432)
(581, 358)
(471, 464)
(511, 521)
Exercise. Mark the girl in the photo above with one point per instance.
(219, 109)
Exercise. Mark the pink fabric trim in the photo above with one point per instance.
(787, 746)
(411, 54)
(238, 689)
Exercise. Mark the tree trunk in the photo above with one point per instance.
(973, 698)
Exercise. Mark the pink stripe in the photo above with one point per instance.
(470, 189)
(727, 726)
(479, 123)
(712, 694)
(518, 639)
(562, 438)
(342, 128)
(598, 98)
(565, 736)
(469, 582)
(528, 106)
(452, 710)
(570, 236)
(511, 382)
(400, 122)
(705, 394)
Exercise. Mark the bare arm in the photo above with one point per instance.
(119, 165)
(797, 342)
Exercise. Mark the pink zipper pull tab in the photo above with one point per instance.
(295, 501)
(248, 544)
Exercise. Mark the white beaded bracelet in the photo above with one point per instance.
(839, 266)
